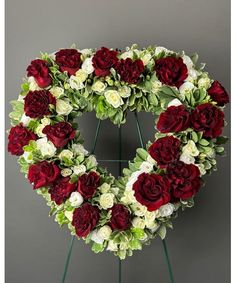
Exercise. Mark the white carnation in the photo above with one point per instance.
(87, 65)
(63, 107)
(92, 160)
(132, 179)
(113, 98)
(81, 75)
(160, 49)
(106, 200)
(76, 199)
(201, 168)
(151, 160)
(146, 58)
(127, 54)
(166, 209)
(190, 149)
(128, 197)
(188, 61)
(46, 147)
(204, 83)
(112, 246)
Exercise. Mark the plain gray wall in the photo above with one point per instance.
(199, 245)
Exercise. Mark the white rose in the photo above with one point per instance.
(188, 61)
(98, 86)
(75, 83)
(204, 83)
(124, 91)
(96, 238)
(79, 169)
(25, 120)
(174, 102)
(112, 246)
(106, 200)
(104, 188)
(69, 214)
(166, 209)
(186, 87)
(113, 98)
(128, 197)
(79, 149)
(76, 199)
(186, 158)
(46, 147)
(87, 65)
(66, 153)
(146, 167)
(28, 156)
(66, 172)
(32, 84)
(105, 232)
(138, 222)
(57, 91)
(81, 75)
(63, 107)
(139, 209)
(190, 149)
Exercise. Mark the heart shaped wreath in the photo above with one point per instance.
(117, 214)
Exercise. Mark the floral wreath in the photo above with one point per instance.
(121, 214)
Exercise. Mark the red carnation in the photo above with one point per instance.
(85, 218)
(39, 70)
(171, 71)
(120, 217)
(165, 150)
(37, 103)
(130, 70)
(152, 190)
(68, 60)
(103, 60)
(184, 179)
(60, 133)
(88, 183)
(218, 93)
(174, 119)
(43, 174)
(61, 190)
(18, 137)
(208, 119)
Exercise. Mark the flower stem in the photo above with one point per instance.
(68, 259)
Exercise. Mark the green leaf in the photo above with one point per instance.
(162, 232)
(142, 153)
(203, 142)
(194, 136)
(221, 140)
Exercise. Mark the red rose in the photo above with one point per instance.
(152, 190)
(171, 71)
(88, 183)
(85, 218)
(103, 60)
(208, 119)
(18, 137)
(37, 103)
(218, 93)
(165, 150)
(184, 179)
(43, 174)
(68, 60)
(61, 190)
(120, 217)
(39, 70)
(174, 119)
(130, 70)
(59, 134)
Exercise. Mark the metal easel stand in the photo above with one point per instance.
(119, 161)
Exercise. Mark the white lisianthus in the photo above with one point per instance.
(155, 86)
(66, 153)
(146, 167)
(76, 199)
(152, 225)
(186, 158)
(151, 160)
(113, 98)
(166, 209)
(46, 147)
(106, 200)
(186, 87)
(87, 66)
(128, 197)
(104, 188)
(138, 222)
(174, 102)
(146, 58)
(105, 232)
(66, 172)
(79, 149)
(98, 86)
(127, 54)
(75, 83)
(124, 91)
(188, 61)
(139, 209)
(96, 238)
(32, 84)
(57, 91)
(112, 246)
(63, 107)
(79, 169)
(190, 148)
(204, 83)
(28, 156)
(201, 168)
(81, 75)
(25, 120)
(69, 214)
(92, 160)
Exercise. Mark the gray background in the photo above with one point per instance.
(199, 245)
